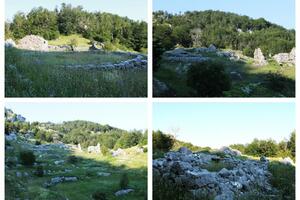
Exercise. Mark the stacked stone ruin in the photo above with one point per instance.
(185, 169)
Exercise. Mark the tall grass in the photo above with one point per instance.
(33, 74)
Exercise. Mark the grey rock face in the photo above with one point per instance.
(10, 43)
(229, 151)
(184, 150)
(94, 149)
(289, 58)
(259, 58)
(34, 43)
(287, 161)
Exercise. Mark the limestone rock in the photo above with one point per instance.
(259, 58)
(10, 43)
(34, 43)
(94, 149)
(289, 58)
(11, 137)
(287, 161)
(184, 150)
(230, 151)
(123, 192)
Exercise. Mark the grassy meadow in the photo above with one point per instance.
(52, 74)
(85, 169)
(173, 74)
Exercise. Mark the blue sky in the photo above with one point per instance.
(134, 9)
(222, 124)
(281, 12)
(127, 116)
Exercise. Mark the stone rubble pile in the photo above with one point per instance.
(183, 56)
(188, 170)
(136, 63)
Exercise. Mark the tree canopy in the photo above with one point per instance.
(223, 29)
(67, 20)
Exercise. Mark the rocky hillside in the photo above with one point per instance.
(221, 175)
(37, 170)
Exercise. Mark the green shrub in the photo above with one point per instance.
(27, 157)
(39, 171)
(281, 84)
(72, 159)
(104, 150)
(98, 195)
(37, 142)
(162, 142)
(208, 79)
(124, 181)
(248, 52)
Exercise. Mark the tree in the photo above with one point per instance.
(291, 144)
(267, 148)
(208, 79)
(19, 26)
(161, 141)
(43, 22)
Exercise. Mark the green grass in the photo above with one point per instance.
(169, 72)
(65, 40)
(283, 179)
(45, 74)
(214, 166)
(135, 165)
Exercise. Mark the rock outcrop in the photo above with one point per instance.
(289, 58)
(34, 43)
(259, 58)
(94, 149)
(197, 173)
(10, 43)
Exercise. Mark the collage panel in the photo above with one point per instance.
(75, 151)
(221, 48)
(224, 151)
(76, 48)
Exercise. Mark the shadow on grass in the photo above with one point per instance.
(44, 74)
(86, 170)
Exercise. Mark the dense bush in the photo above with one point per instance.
(72, 159)
(98, 195)
(124, 181)
(161, 141)
(279, 83)
(27, 157)
(67, 20)
(39, 171)
(208, 79)
(269, 147)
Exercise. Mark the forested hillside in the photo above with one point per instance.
(67, 20)
(77, 132)
(224, 30)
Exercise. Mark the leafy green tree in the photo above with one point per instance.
(161, 141)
